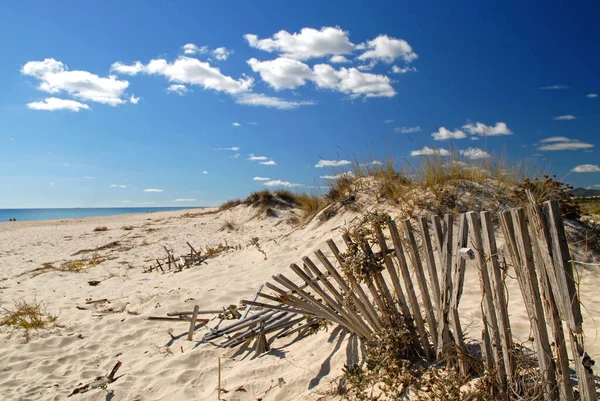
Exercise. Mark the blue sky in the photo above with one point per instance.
(101, 102)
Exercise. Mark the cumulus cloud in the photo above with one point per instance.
(348, 174)
(308, 43)
(403, 70)
(386, 49)
(555, 87)
(279, 183)
(282, 73)
(562, 143)
(332, 163)
(178, 89)
(407, 130)
(427, 151)
(192, 49)
(55, 77)
(586, 168)
(592, 95)
(54, 103)
(153, 190)
(475, 153)
(236, 124)
(190, 71)
(352, 82)
(481, 129)
(256, 99)
(185, 200)
(261, 178)
(205, 172)
(221, 53)
(269, 163)
(134, 100)
(339, 59)
(566, 117)
(257, 158)
(443, 134)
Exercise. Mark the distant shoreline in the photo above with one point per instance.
(43, 214)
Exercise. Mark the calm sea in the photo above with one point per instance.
(51, 214)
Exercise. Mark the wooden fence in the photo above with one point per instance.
(419, 277)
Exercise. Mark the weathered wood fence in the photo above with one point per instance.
(420, 276)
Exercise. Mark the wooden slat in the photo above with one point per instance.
(541, 341)
(430, 260)
(190, 336)
(438, 234)
(358, 303)
(412, 297)
(488, 308)
(458, 280)
(443, 348)
(566, 282)
(493, 267)
(355, 285)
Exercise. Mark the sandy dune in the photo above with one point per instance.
(49, 364)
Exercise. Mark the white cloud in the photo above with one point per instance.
(55, 77)
(256, 99)
(400, 70)
(376, 163)
(279, 183)
(339, 60)
(566, 117)
(221, 53)
(367, 67)
(257, 158)
(309, 43)
(153, 190)
(131, 69)
(205, 172)
(444, 134)
(192, 49)
(427, 151)
(178, 89)
(134, 100)
(191, 71)
(269, 163)
(236, 124)
(592, 95)
(348, 174)
(384, 48)
(388, 121)
(233, 148)
(485, 130)
(184, 200)
(113, 185)
(586, 168)
(332, 163)
(563, 143)
(122, 186)
(555, 87)
(237, 155)
(261, 178)
(87, 177)
(352, 82)
(54, 103)
(475, 153)
(407, 130)
(282, 73)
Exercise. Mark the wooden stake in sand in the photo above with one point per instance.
(193, 323)
(219, 381)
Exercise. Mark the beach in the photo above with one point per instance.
(87, 339)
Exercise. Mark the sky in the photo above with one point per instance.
(133, 103)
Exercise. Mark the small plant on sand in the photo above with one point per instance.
(548, 188)
(101, 228)
(127, 228)
(229, 225)
(229, 205)
(27, 316)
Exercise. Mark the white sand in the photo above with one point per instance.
(51, 363)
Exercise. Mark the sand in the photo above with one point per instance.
(49, 363)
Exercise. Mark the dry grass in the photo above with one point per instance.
(127, 228)
(101, 228)
(229, 225)
(229, 205)
(27, 316)
(72, 266)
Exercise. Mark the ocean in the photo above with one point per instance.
(69, 213)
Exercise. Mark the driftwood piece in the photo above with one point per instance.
(190, 336)
(99, 381)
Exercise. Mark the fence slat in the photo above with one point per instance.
(538, 321)
(443, 350)
(493, 267)
(566, 279)
(410, 290)
(430, 260)
(457, 286)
